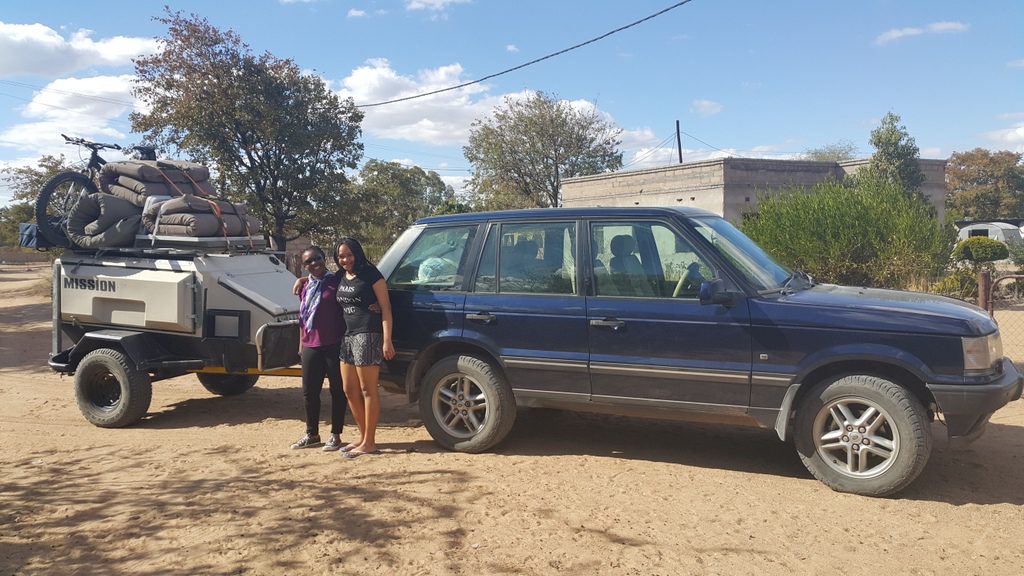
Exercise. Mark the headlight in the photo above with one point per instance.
(982, 354)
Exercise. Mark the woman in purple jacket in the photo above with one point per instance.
(321, 328)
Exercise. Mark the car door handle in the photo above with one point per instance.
(613, 324)
(483, 317)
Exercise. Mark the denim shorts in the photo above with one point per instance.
(365, 349)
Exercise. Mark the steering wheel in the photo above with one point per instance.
(690, 277)
(683, 283)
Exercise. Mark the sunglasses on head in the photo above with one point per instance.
(312, 259)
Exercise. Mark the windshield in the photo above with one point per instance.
(748, 258)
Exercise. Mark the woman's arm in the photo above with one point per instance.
(299, 283)
(380, 290)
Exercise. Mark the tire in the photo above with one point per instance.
(227, 384)
(466, 404)
(878, 458)
(55, 202)
(111, 393)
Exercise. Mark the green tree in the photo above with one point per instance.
(390, 197)
(838, 152)
(896, 154)
(10, 217)
(984, 185)
(25, 183)
(979, 250)
(861, 232)
(521, 155)
(278, 139)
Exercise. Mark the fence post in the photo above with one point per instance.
(985, 290)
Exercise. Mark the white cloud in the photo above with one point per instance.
(706, 107)
(947, 27)
(896, 34)
(432, 5)
(933, 28)
(1011, 138)
(1016, 63)
(40, 50)
(511, 48)
(353, 13)
(442, 119)
(86, 107)
(932, 152)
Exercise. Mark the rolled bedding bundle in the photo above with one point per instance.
(136, 191)
(136, 180)
(103, 221)
(196, 217)
(159, 170)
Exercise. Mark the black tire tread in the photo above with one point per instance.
(501, 406)
(227, 384)
(56, 236)
(918, 445)
(136, 389)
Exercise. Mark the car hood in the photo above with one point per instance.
(829, 305)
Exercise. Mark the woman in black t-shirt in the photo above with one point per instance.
(367, 340)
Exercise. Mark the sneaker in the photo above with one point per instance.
(307, 441)
(333, 443)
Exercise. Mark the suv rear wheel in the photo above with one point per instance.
(466, 404)
(863, 434)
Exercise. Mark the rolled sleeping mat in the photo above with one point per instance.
(103, 221)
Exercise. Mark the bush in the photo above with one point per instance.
(960, 284)
(865, 232)
(979, 249)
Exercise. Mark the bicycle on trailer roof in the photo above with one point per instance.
(60, 194)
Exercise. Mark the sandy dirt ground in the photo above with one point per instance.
(208, 485)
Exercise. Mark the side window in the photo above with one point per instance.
(487, 271)
(436, 261)
(533, 258)
(645, 260)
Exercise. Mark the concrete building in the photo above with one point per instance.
(726, 186)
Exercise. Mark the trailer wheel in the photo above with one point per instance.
(111, 393)
(227, 384)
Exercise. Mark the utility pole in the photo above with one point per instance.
(679, 143)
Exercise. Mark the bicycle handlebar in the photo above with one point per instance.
(91, 145)
(146, 152)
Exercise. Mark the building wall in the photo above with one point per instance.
(726, 186)
(699, 184)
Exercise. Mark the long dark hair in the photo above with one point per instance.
(357, 251)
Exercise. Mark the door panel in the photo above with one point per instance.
(525, 306)
(651, 341)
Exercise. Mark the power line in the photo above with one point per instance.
(531, 62)
(68, 92)
(705, 143)
(650, 152)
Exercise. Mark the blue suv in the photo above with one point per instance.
(674, 313)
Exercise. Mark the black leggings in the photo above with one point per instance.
(317, 363)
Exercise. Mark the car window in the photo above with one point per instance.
(645, 260)
(533, 258)
(435, 261)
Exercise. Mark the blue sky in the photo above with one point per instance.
(744, 77)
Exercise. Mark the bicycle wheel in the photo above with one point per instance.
(56, 199)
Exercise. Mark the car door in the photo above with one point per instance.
(526, 306)
(427, 290)
(651, 341)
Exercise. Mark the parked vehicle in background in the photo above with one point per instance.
(674, 313)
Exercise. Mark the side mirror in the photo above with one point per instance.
(714, 292)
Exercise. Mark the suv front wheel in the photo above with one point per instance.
(466, 403)
(863, 434)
